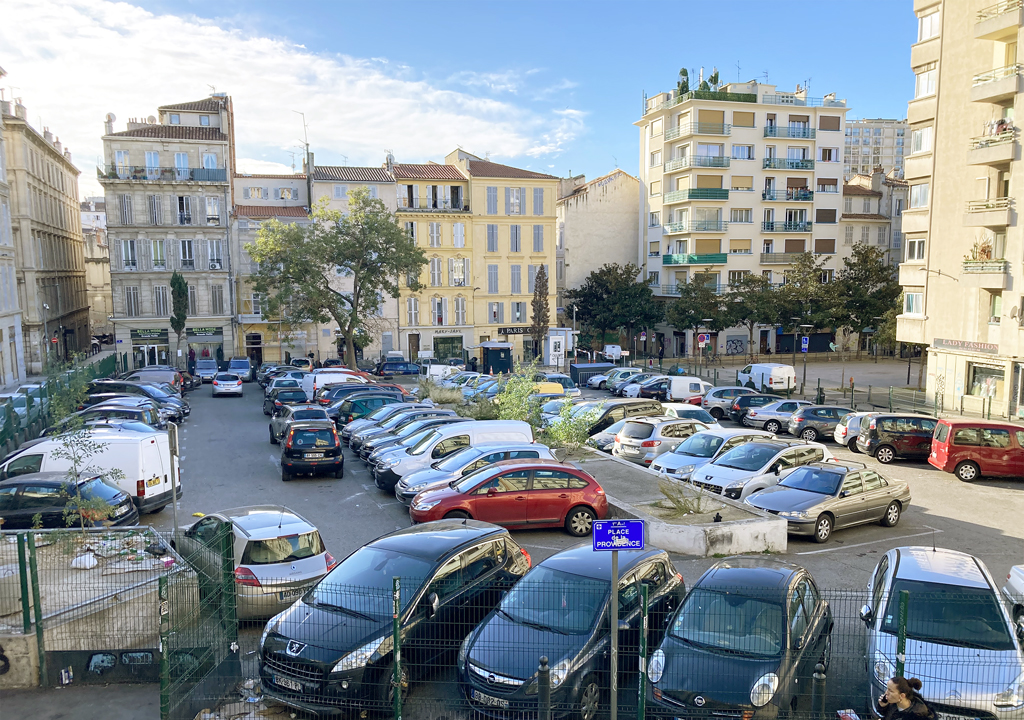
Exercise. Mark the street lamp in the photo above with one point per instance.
(795, 320)
(804, 383)
(46, 337)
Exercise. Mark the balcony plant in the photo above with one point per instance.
(981, 251)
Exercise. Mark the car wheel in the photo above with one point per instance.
(826, 652)
(285, 475)
(457, 515)
(273, 439)
(892, 515)
(717, 413)
(602, 385)
(967, 471)
(386, 686)
(339, 473)
(579, 521)
(810, 435)
(265, 412)
(772, 426)
(885, 454)
(589, 699)
(852, 445)
(823, 528)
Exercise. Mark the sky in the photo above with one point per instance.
(550, 86)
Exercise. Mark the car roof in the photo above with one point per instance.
(964, 422)
(60, 477)
(940, 565)
(728, 433)
(767, 579)
(660, 419)
(112, 406)
(305, 406)
(534, 464)
(434, 540)
(583, 560)
(916, 416)
(259, 522)
(318, 424)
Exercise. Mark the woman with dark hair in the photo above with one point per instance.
(902, 701)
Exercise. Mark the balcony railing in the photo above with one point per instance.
(161, 174)
(1002, 138)
(698, 128)
(986, 266)
(697, 226)
(184, 218)
(802, 102)
(779, 258)
(789, 195)
(695, 194)
(997, 74)
(697, 161)
(828, 189)
(704, 95)
(709, 259)
(426, 205)
(779, 131)
(188, 264)
(981, 206)
(787, 164)
(998, 9)
(774, 226)
(670, 290)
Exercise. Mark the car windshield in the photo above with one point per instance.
(379, 413)
(563, 381)
(815, 480)
(239, 364)
(554, 407)
(584, 408)
(286, 382)
(411, 429)
(637, 430)
(454, 462)
(731, 623)
(749, 456)
(362, 583)
(282, 549)
(99, 489)
(206, 364)
(614, 428)
(949, 615)
(558, 601)
(421, 447)
(702, 445)
(415, 437)
(310, 414)
(154, 391)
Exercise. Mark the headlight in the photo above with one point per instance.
(425, 506)
(1011, 697)
(390, 462)
(794, 514)
(359, 657)
(737, 484)
(463, 652)
(656, 665)
(883, 670)
(764, 689)
(686, 469)
(559, 672)
(266, 630)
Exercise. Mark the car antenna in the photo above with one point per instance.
(933, 540)
(280, 518)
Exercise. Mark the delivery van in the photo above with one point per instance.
(767, 377)
(328, 376)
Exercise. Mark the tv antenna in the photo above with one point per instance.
(616, 162)
(293, 161)
(305, 133)
(212, 88)
(737, 71)
(765, 76)
(344, 159)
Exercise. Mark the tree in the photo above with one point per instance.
(683, 86)
(698, 306)
(179, 306)
(806, 296)
(301, 265)
(541, 316)
(753, 300)
(612, 298)
(868, 288)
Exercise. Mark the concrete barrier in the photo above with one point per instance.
(19, 662)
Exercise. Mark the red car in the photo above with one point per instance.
(514, 493)
(971, 449)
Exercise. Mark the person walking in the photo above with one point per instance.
(902, 701)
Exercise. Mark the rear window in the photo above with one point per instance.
(282, 549)
(637, 431)
(941, 433)
(313, 438)
(227, 378)
(291, 395)
(239, 363)
(311, 414)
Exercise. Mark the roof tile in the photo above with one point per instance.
(430, 171)
(351, 174)
(175, 132)
(265, 211)
(863, 216)
(483, 168)
(204, 105)
(858, 190)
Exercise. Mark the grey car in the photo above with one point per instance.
(286, 415)
(821, 497)
(774, 417)
(848, 428)
(718, 400)
(814, 421)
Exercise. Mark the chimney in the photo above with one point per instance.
(108, 124)
(47, 135)
(876, 178)
(67, 155)
(5, 107)
(20, 111)
(57, 146)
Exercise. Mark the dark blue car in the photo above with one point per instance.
(397, 368)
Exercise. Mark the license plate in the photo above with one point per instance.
(289, 594)
(631, 450)
(152, 481)
(287, 683)
(489, 700)
(313, 456)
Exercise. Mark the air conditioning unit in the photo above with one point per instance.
(215, 265)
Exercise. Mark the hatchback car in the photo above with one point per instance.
(743, 643)
(227, 384)
(718, 401)
(283, 397)
(958, 634)
(814, 421)
(633, 390)
(277, 555)
(311, 447)
(283, 418)
(605, 440)
(887, 437)
(744, 403)
(397, 368)
(773, 417)
(643, 440)
(562, 609)
(971, 449)
(821, 497)
(519, 493)
(282, 381)
(206, 370)
(848, 429)
(606, 380)
(48, 494)
(690, 412)
(332, 649)
(241, 367)
(701, 448)
(378, 416)
(756, 465)
(605, 413)
(358, 405)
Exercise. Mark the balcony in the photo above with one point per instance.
(995, 149)
(985, 274)
(778, 131)
(788, 195)
(426, 205)
(786, 226)
(696, 226)
(999, 22)
(802, 101)
(141, 173)
(695, 194)
(701, 95)
(996, 85)
(665, 290)
(697, 161)
(710, 259)
(697, 128)
(779, 258)
(993, 213)
(787, 164)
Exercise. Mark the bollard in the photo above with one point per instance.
(544, 689)
(818, 693)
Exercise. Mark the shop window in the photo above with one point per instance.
(986, 381)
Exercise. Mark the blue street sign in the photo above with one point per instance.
(803, 343)
(618, 534)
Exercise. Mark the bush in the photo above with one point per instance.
(570, 432)
(439, 395)
(482, 409)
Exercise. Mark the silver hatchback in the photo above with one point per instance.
(718, 400)
(774, 417)
(642, 440)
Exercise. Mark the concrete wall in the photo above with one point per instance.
(19, 662)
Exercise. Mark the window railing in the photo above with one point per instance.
(998, 9)
(690, 259)
(786, 258)
(213, 219)
(184, 218)
(781, 131)
(143, 173)
(828, 189)
(789, 195)
(696, 194)
(788, 164)
(786, 226)
(1001, 138)
(802, 101)
(697, 161)
(698, 128)
(997, 74)
(433, 205)
(189, 264)
(697, 226)
(979, 206)
(986, 266)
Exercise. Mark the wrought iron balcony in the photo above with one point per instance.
(426, 205)
(789, 195)
(688, 259)
(695, 194)
(778, 226)
(142, 173)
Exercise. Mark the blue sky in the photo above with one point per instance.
(552, 86)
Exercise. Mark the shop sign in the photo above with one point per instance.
(149, 334)
(203, 331)
(514, 330)
(448, 332)
(966, 346)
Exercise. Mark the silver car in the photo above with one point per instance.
(1014, 592)
(608, 379)
(227, 384)
(773, 417)
(698, 450)
(283, 418)
(377, 416)
(958, 634)
(848, 429)
(718, 400)
(814, 421)
(641, 440)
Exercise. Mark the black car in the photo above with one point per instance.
(609, 412)
(888, 436)
(356, 406)
(283, 396)
(375, 418)
(742, 403)
(329, 393)
(164, 399)
(394, 422)
(47, 495)
(374, 448)
(744, 643)
(312, 447)
(332, 650)
(561, 609)
(397, 368)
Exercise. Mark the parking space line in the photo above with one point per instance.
(931, 531)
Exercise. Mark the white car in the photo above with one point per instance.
(1014, 592)
(633, 389)
(698, 450)
(757, 465)
(606, 380)
(227, 384)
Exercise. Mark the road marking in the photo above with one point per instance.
(931, 530)
(275, 460)
(544, 547)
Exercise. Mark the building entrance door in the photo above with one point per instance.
(414, 347)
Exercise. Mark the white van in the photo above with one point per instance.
(445, 440)
(767, 377)
(144, 458)
(677, 389)
(328, 376)
(613, 352)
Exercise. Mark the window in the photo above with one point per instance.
(925, 81)
(513, 201)
(919, 195)
(915, 249)
(741, 215)
(828, 185)
(743, 119)
(881, 237)
(128, 257)
(215, 255)
(995, 307)
(538, 238)
(921, 140)
(913, 303)
(656, 128)
(928, 26)
(827, 216)
(412, 311)
(434, 229)
(213, 211)
(896, 239)
(656, 188)
(188, 260)
(460, 310)
(438, 311)
(256, 304)
(286, 193)
(654, 219)
(175, 119)
(739, 247)
(531, 275)
(217, 300)
(155, 210)
(125, 205)
(897, 207)
(656, 158)
(159, 257)
(828, 276)
(458, 271)
(496, 312)
(492, 238)
(743, 152)
(824, 247)
(459, 235)
(184, 210)
(492, 201)
(653, 277)
(162, 307)
(736, 275)
(518, 312)
(865, 234)
(193, 301)
(866, 206)
(517, 279)
(848, 205)
(372, 189)
(341, 192)
(492, 279)
(514, 239)
(410, 229)
(131, 301)
(743, 183)
(829, 154)
(538, 201)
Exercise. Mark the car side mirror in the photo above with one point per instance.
(1020, 631)
(844, 493)
(777, 469)
(433, 602)
(491, 492)
(798, 644)
(867, 615)
(623, 625)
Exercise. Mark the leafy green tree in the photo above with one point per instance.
(611, 298)
(699, 306)
(541, 314)
(752, 301)
(806, 296)
(300, 266)
(179, 306)
(868, 288)
(516, 399)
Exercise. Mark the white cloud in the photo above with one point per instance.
(251, 166)
(75, 61)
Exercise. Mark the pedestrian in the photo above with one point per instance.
(472, 363)
(902, 701)
(661, 353)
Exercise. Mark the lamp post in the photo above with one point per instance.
(874, 337)
(795, 320)
(117, 355)
(804, 383)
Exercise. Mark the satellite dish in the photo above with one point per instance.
(110, 117)
(151, 120)
(1013, 311)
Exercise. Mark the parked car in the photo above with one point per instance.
(674, 388)
(281, 381)
(773, 417)
(821, 497)
(329, 393)
(743, 643)
(311, 447)
(551, 406)
(690, 412)
(1013, 590)
(164, 399)
(643, 440)
(378, 416)
(359, 405)
(303, 363)
(458, 379)
(23, 414)
(605, 439)
(241, 367)
(568, 386)
(767, 377)
(756, 465)
(607, 380)
(277, 555)
(281, 397)
(814, 421)
(607, 412)
(313, 381)
(401, 432)
(47, 494)
(206, 370)
(743, 404)
(284, 416)
(157, 376)
(413, 434)
(561, 610)
(332, 649)
(334, 362)
(261, 372)
(109, 413)
(971, 449)
(632, 390)
(189, 381)
(134, 401)
(38, 393)
(718, 401)
(848, 429)
(227, 384)
(397, 368)
(701, 448)
(958, 634)
(635, 379)
(395, 422)
(888, 436)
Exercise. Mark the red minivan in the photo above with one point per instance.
(971, 449)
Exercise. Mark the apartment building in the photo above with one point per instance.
(12, 357)
(962, 269)
(97, 264)
(46, 275)
(737, 180)
(871, 143)
(596, 224)
(873, 213)
(167, 190)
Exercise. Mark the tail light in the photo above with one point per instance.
(650, 443)
(871, 424)
(214, 382)
(277, 403)
(140, 488)
(752, 413)
(736, 405)
(288, 445)
(337, 440)
(618, 439)
(529, 560)
(245, 577)
(349, 418)
(331, 562)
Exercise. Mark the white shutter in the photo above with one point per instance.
(277, 193)
(465, 271)
(415, 196)
(459, 231)
(444, 311)
(245, 193)
(451, 271)
(447, 195)
(508, 201)
(522, 201)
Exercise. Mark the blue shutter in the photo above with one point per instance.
(508, 201)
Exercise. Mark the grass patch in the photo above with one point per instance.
(683, 499)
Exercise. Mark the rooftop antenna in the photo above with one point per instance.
(737, 71)
(305, 134)
(293, 161)
(344, 159)
(807, 85)
(765, 76)
(616, 162)
(213, 90)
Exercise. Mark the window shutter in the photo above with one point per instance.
(531, 277)
(447, 198)
(465, 271)
(451, 271)
(245, 193)
(444, 311)
(415, 196)
(508, 201)
(501, 312)
(277, 193)
(522, 201)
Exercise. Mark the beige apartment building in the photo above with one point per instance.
(47, 273)
(168, 195)
(734, 181)
(875, 142)
(97, 264)
(962, 269)
(12, 357)
(873, 212)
